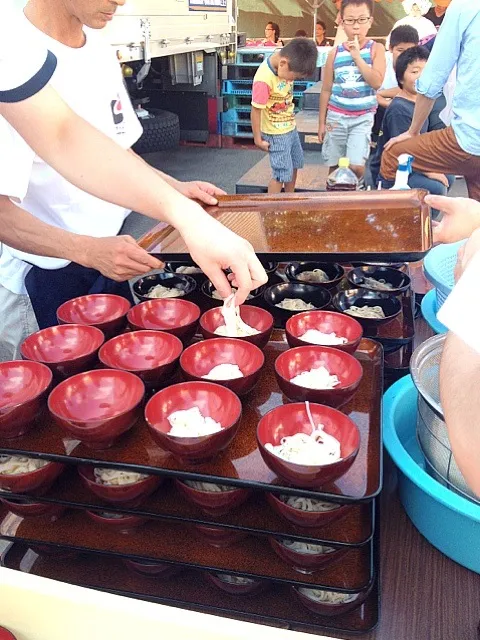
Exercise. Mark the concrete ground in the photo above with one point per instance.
(224, 167)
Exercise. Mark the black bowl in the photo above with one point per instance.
(400, 281)
(318, 296)
(171, 267)
(143, 286)
(209, 302)
(392, 265)
(334, 272)
(390, 304)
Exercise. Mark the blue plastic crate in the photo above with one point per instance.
(439, 267)
(237, 130)
(244, 87)
(237, 115)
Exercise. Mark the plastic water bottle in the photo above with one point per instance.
(403, 172)
(343, 178)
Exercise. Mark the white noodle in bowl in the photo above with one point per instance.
(191, 423)
(317, 378)
(209, 487)
(117, 477)
(18, 465)
(377, 285)
(372, 313)
(188, 270)
(322, 596)
(315, 276)
(295, 304)
(224, 371)
(314, 336)
(235, 580)
(311, 505)
(160, 291)
(306, 548)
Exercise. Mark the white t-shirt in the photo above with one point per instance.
(461, 311)
(390, 79)
(89, 79)
(25, 68)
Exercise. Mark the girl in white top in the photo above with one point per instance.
(416, 10)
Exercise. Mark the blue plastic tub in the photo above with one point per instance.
(448, 521)
(429, 312)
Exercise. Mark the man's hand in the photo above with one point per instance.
(403, 137)
(439, 177)
(262, 144)
(201, 191)
(461, 217)
(119, 258)
(215, 248)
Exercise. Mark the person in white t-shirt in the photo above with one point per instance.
(460, 364)
(40, 190)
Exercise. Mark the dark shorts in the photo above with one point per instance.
(286, 154)
(49, 288)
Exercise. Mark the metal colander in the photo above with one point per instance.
(432, 432)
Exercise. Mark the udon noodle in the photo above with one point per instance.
(117, 477)
(378, 285)
(234, 326)
(224, 372)
(306, 547)
(210, 487)
(317, 448)
(190, 423)
(188, 271)
(311, 505)
(229, 579)
(159, 291)
(317, 275)
(295, 304)
(16, 465)
(216, 295)
(319, 378)
(314, 336)
(328, 597)
(375, 313)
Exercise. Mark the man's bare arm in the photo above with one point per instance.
(459, 380)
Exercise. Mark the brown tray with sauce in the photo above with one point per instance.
(190, 589)
(255, 516)
(370, 225)
(180, 544)
(241, 464)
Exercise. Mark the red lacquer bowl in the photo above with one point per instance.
(34, 482)
(213, 400)
(23, 393)
(172, 315)
(66, 349)
(292, 418)
(97, 406)
(302, 518)
(215, 503)
(327, 322)
(306, 561)
(33, 509)
(125, 524)
(330, 610)
(257, 586)
(299, 359)
(102, 310)
(254, 316)
(132, 494)
(200, 358)
(220, 537)
(151, 355)
(147, 568)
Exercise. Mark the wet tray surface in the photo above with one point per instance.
(241, 464)
(252, 556)
(190, 589)
(255, 515)
(382, 226)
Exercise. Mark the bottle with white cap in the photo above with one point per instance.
(403, 172)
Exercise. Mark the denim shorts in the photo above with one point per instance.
(347, 137)
(286, 154)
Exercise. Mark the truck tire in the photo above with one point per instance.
(160, 133)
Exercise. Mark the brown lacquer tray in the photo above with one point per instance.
(255, 516)
(190, 589)
(181, 544)
(241, 464)
(344, 226)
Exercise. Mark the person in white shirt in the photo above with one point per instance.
(460, 364)
(101, 167)
(416, 10)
